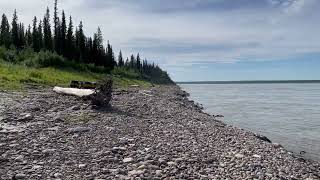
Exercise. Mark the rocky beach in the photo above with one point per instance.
(155, 133)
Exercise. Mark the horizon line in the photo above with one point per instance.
(248, 82)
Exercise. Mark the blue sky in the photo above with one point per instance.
(203, 39)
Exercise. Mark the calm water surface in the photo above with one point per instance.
(288, 114)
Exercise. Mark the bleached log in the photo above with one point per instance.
(73, 91)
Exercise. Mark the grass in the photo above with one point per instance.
(17, 77)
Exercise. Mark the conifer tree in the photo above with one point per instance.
(138, 64)
(35, 39)
(40, 36)
(5, 36)
(81, 42)
(48, 44)
(127, 64)
(22, 40)
(14, 30)
(29, 37)
(110, 62)
(63, 30)
(70, 41)
(120, 60)
(132, 62)
(56, 27)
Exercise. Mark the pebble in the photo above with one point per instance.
(142, 167)
(128, 160)
(25, 117)
(158, 172)
(20, 176)
(82, 165)
(19, 158)
(135, 172)
(239, 155)
(57, 175)
(256, 156)
(172, 163)
(172, 139)
(78, 130)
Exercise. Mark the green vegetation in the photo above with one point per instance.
(16, 77)
(39, 55)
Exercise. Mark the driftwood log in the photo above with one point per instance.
(103, 93)
(83, 85)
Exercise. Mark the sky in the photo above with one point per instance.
(202, 40)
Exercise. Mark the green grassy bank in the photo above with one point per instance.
(18, 77)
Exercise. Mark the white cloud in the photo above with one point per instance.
(282, 30)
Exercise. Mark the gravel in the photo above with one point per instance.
(146, 134)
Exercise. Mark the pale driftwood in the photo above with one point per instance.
(74, 91)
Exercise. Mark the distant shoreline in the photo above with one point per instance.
(253, 82)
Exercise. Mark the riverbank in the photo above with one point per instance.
(156, 133)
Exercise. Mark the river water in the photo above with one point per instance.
(288, 114)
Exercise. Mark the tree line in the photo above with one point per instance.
(68, 41)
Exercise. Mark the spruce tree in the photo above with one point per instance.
(14, 30)
(63, 30)
(22, 40)
(56, 27)
(120, 60)
(110, 62)
(70, 41)
(127, 64)
(35, 39)
(138, 62)
(40, 36)
(29, 37)
(81, 41)
(5, 36)
(48, 44)
(132, 62)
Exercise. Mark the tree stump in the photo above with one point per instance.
(103, 93)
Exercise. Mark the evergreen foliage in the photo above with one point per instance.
(72, 45)
(5, 35)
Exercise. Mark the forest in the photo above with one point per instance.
(62, 44)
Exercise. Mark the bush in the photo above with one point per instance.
(9, 55)
(126, 72)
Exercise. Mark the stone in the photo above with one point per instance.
(256, 156)
(118, 149)
(36, 167)
(142, 167)
(75, 108)
(276, 145)
(239, 155)
(58, 119)
(162, 161)
(19, 158)
(268, 174)
(25, 117)
(82, 165)
(158, 172)
(48, 151)
(135, 172)
(78, 130)
(127, 160)
(171, 163)
(20, 176)
(57, 175)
